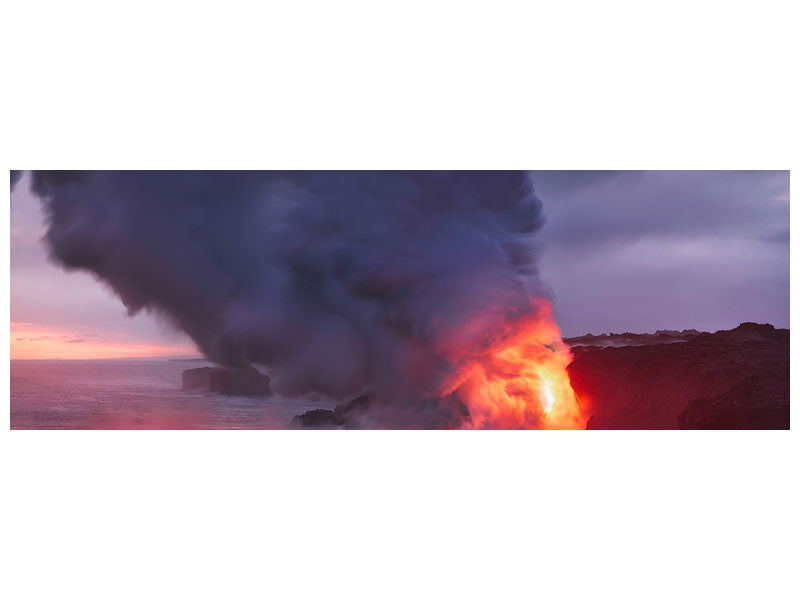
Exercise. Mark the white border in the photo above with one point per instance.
(399, 514)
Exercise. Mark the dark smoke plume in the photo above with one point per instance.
(339, 283)
(15, 177)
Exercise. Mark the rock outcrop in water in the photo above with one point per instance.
(345, 416)
(229, 381)
(737, 379)
(359, 413)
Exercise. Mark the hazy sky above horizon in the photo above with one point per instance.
(622, 251)
(70, 314)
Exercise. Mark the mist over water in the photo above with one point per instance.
(134, 394)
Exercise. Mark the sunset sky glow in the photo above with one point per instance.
(56, 314)
(30, 341)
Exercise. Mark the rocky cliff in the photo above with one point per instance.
(737, 379)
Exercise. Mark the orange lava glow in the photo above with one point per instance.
(522, 383)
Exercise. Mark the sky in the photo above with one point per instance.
(71, 315)
(640, 251)
(620, 251)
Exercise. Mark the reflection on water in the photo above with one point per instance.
(133, 394)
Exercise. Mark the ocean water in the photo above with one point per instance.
(134, 394)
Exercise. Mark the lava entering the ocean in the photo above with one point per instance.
(523, 384)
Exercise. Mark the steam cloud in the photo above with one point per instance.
(339, 283)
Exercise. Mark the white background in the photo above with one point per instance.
(398, 514)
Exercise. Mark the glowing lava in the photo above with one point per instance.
(547, 396)
(522, 382)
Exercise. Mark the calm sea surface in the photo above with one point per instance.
(133, 394)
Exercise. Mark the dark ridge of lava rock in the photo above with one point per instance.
(346, 415)
(737, 379)
(229, 381)
(632, 339)
(367, 411)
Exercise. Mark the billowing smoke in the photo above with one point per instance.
(338, 283)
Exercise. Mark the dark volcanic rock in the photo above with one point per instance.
(229, 381)
(346, 415)
(662, 336)
(737, 379)
(368, 412)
